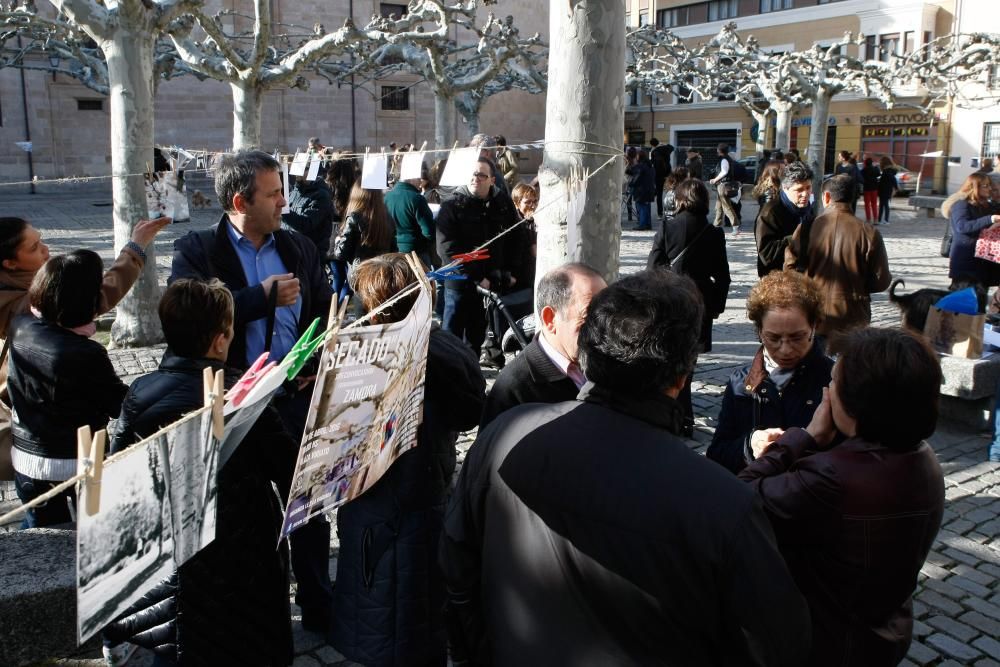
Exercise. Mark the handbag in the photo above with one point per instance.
(946, 241)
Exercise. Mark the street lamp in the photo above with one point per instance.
(54, 63)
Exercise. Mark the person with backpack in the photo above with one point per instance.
(641, 185)
(728, 186)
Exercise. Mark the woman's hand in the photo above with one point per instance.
(145, 230)
(761, 440)
(821, 427)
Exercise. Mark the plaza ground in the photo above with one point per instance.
(957, 605)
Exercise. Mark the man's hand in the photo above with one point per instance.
(821, 427)
(485, 283)
(762, 439)
(288, 287)
(145, 230)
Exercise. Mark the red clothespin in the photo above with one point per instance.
(243, 386)
(473, 256)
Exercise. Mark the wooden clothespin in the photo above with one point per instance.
(90, 464)
(213, 387)
(423, 146)
(418, 269)
(455, 147)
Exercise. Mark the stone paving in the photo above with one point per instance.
(957, 605)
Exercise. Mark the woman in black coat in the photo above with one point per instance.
(783, 384)
(689, 245)
(389, 596)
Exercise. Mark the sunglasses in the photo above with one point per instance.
(480, 175)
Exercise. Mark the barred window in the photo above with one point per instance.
(395, 98)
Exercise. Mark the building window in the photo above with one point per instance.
(672, 18)
(888, 46)
(628, 20)
(391, 10)
(90, 105)
(719, 10)
(395, 98)
(633, 98)
(643, 19)
(909, 43)
(871, 47)
(774, 5)
(991, 140)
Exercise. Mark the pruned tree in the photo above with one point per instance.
(419, 43)
(579, 215)
(659, 62)
(944, 68)
(256, 60)
(126, 32)
(470, 103)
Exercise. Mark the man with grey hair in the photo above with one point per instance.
(278, 289)
(547, 370)
(781, 216)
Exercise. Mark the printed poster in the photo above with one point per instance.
(365, 410)
(157, 510)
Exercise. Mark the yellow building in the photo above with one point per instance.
(857, 124)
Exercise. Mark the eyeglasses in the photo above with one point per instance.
(480, 175)
(795, 340)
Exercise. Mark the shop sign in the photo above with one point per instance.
(908, 131)
(895, 119)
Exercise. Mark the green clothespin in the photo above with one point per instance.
(304, 348)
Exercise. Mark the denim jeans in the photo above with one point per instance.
(53, 512)
(994, 449)
(883, 207)
(464, 314)
(644, 214)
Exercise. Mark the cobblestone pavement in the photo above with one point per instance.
(957, 605)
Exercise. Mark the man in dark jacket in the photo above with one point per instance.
(476, 214)
(641, 185)
(228, 604)
(548, 371)
(311, 212)
(586, 531)
(781, 216)
(250, 253)
(659, 155)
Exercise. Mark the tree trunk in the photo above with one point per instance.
(783, 126)
(584, 113)
(443, 105)
(129, 56)
(247, 100)
(761, 119)
(816, 155)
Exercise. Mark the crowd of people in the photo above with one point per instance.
(581, 529)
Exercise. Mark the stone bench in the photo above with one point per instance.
(967, 391)
(930, 203)
(38, 595)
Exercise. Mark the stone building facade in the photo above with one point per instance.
(857, 124)
(68, 123)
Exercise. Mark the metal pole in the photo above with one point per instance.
(27, 123)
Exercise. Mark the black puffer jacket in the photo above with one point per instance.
(228, 604)
(390, 594)
(58, 381)
(349, 245)
(464, 223)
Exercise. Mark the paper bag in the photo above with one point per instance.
(988, 245)
(957, 334)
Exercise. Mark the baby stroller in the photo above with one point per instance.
(504, 332)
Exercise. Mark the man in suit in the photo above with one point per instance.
(547, 370)
(252, 255)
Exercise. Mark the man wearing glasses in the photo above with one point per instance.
(477, 213)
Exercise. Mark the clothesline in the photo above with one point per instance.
(212, 155)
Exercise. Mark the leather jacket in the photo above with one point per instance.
(58, 382)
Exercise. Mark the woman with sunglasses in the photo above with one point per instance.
(783, 384)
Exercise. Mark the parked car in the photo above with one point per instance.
(750, 162)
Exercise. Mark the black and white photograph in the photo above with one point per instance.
(158, 509)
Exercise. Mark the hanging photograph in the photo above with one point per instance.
(366, 407)
(157, 510)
